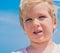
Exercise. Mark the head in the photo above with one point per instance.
(38, 19)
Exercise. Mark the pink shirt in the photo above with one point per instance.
(56, 49)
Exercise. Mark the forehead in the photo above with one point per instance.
(38, 9)
(40, 6)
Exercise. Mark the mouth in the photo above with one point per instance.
(37, 32)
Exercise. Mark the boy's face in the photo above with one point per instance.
(38, 24)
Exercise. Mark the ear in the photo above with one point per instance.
(55, 21)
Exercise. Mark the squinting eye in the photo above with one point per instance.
(42, 17)
(29, 19)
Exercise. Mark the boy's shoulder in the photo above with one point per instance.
(23, 50)
(56, 48)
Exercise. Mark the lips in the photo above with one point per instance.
(37, 32)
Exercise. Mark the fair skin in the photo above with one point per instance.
(39, 26)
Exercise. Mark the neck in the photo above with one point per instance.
(45, 47)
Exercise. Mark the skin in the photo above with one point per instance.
(39, 26)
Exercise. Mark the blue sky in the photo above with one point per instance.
(12, 37)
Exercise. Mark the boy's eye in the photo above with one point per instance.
(42, 17)
(29, 19)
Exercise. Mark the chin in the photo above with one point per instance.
(41, 41)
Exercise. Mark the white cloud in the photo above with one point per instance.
(9, 17)
(57, 7)
(56, 0)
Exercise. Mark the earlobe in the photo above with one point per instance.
(54, 29)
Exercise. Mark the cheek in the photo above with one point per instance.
(48, 26)
(28, 31)
(27, 27)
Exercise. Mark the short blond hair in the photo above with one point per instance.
(26, 4)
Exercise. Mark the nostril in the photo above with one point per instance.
(36, 24)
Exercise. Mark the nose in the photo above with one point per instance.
(36, 23)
